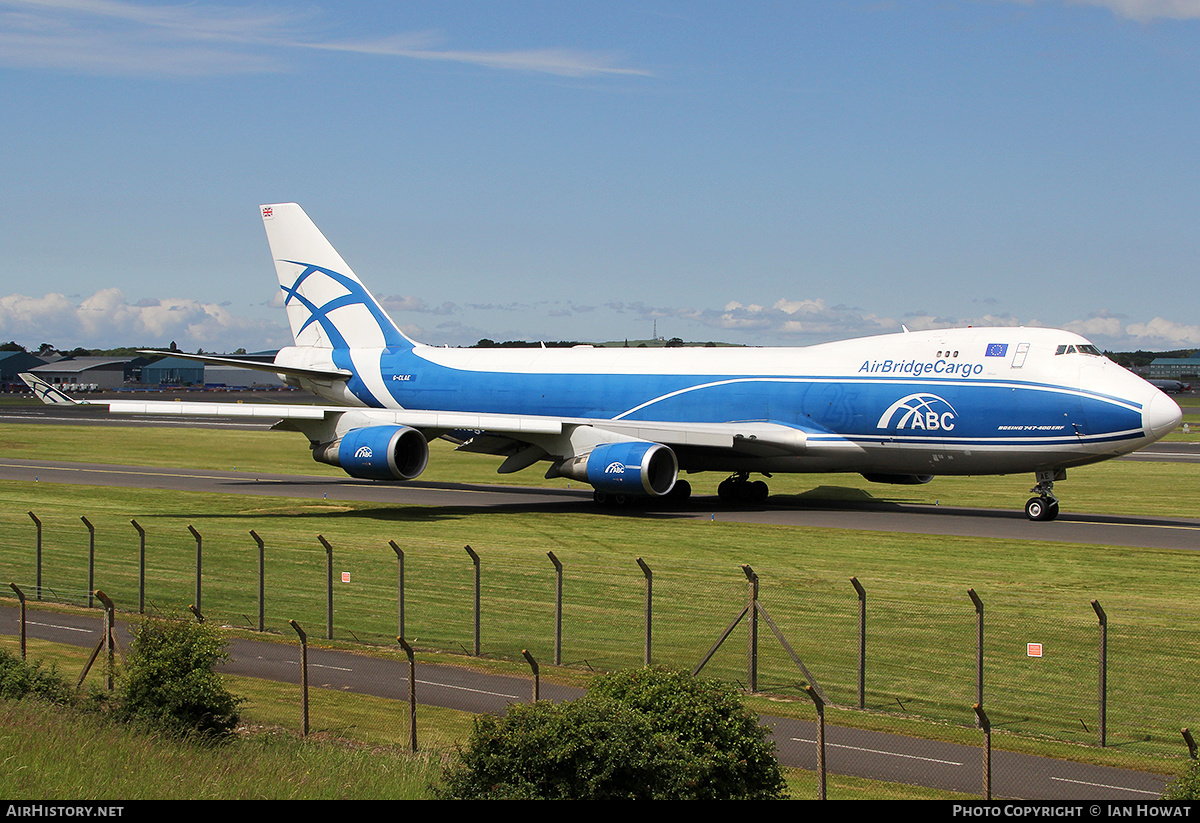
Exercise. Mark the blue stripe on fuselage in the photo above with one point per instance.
(949, 411)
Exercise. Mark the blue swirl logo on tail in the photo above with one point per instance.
(355, 294)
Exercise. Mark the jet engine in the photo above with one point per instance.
(628, 467)
(377, 453)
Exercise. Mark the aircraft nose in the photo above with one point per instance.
(1161, 415)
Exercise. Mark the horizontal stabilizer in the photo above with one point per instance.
(48, 394)
(255, 365)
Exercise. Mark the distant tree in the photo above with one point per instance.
(12, 345)
(45, 348)
(173, 346)
(674, 343)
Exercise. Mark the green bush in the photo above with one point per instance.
(168, 680)
(637, 734)
(20, 679)
(1187, 785)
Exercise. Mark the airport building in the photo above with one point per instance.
(1176, 368)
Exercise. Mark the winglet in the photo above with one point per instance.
(48, 394)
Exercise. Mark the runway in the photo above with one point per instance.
(1103, 530)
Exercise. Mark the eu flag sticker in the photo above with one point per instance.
(996, 350)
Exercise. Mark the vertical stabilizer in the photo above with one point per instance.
(327, 305)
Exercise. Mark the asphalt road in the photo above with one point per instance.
(436, 498)
(894, 758)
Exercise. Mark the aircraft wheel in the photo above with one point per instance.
(758, 491)
(681, 492)
(727, 490)
(1041, 508)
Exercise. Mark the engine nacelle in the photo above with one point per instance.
(377, 453)
(899, 479)
(629, 467)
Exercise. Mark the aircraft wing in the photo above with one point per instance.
(501, 434)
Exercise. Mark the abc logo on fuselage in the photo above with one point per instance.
(923, 411)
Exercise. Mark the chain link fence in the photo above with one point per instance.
(1048, 666)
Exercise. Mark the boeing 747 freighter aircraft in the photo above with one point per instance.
(899, 408)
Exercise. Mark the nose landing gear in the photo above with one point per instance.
(1045, 505)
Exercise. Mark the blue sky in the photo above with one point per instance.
(761, 173)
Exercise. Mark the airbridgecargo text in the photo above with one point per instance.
(916, 368)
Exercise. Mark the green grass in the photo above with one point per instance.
(357, 749)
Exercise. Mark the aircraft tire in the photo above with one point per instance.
(1041, 508)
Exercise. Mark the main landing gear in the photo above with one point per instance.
(1045, 505)
(740, 489)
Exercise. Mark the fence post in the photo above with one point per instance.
(37, 556)
(328, 587)
(91, 559)
(985, 724)
(141, 566)
(199, 568)
(752, 634)
(21, 597)
(109, 644)
(1102, 696)
(978, 646)
(399, 591)
(820, 704)
(262, 577)
(475, 561)
(862, 642)
(558, 591)
(412, 691)
(303, 672)
(537, 689)
(649, 594)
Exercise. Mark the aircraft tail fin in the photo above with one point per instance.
(48, 394)
(327, 305)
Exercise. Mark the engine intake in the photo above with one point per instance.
(628, 467)
(377, 453)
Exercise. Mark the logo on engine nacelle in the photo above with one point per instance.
(919, 411)
(615, 467)
(364, 452)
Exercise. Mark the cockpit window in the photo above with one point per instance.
(1086, 348)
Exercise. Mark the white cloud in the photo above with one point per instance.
(1141, 10)
(131, 38)
(107, 320)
